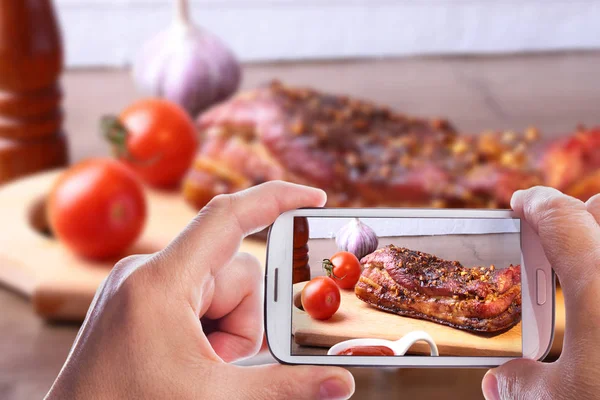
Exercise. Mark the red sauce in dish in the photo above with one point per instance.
(367, 351)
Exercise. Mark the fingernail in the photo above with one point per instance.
(489, 386)
(334, 389)
(324, 197)
(513, 197)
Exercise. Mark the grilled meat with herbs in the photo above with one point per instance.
(421, 285)
(360, 153)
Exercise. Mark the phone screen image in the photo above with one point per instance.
(411, 287)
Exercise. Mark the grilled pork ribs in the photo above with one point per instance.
(361, 154)
(421, 285)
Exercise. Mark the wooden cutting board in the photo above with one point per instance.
(356, 319)
(61, 284)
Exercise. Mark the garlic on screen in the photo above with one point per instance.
(357, 238)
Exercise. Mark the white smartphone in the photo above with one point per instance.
(421, 288)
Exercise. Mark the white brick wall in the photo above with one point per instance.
(108, 32)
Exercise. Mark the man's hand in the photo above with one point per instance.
(166, 325)
(569, 231)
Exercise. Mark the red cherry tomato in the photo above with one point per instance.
(321, 297)
(344, 269)
(97, 208)
(155, 138)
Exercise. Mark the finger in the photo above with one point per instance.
(213, 237)
(570, 237)
(264, 347)
(287, 382)
(568, 232)
(520, 379)
(593, 206)
(236, 309)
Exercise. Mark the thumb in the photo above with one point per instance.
(519, 379)
(300, 382)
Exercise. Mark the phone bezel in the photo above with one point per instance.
(537, 320)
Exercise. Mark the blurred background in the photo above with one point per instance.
(516, 77)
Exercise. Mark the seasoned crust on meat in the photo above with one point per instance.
(360, 153)
(421, 285)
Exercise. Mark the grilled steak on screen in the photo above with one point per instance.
(421, 285)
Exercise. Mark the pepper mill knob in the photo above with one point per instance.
(301, 269)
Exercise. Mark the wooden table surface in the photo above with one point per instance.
(551, 91)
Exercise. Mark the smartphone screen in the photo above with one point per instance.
(425, 286)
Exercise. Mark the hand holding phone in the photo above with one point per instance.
(167, 325)
(423, 287)
(149, 309)
(569, 231)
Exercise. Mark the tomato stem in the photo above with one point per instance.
(116, 134)
(328, 267)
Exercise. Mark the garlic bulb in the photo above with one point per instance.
(187, 65)
(357, 238)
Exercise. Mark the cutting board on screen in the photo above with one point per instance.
(356, 319)
(61, 284)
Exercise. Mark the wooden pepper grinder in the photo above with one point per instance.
(301, 269)
(31, 61)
